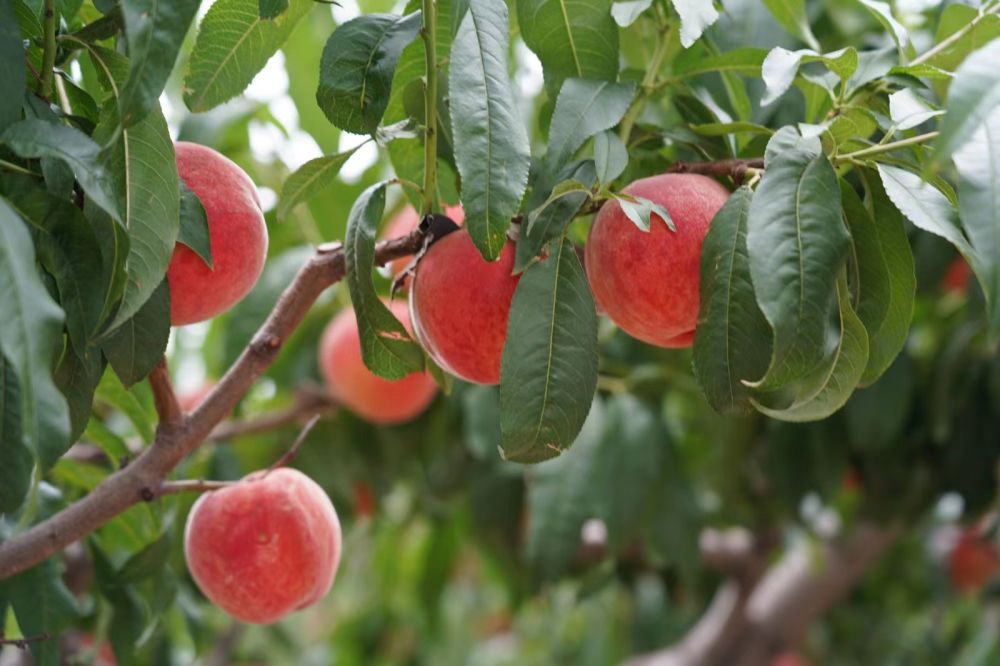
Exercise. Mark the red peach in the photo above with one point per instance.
(265, 546)
(406, 221)
(236, 232)
(373, 398)
(647, 282)
(459, 305)
(956, 278)
(973, 561)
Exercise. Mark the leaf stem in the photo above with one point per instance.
(886, 147)
(429, 33)
(10, 166)
(955, 37)
(648, 85)
(49, 54)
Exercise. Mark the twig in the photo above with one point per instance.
(648, 85)
(49, 52)
(23, 643)
(955, 36)
(164, 398)
(308, 403)
(293, 450)
(734, 168)
(189, 486)
(132, 484)
(886, 147)
(429, 33)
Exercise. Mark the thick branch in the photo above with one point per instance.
(750, 624)
(138, 481)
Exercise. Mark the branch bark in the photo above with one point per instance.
(751, 620)
(734, 168)
(139, 480)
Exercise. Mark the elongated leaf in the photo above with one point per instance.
(30, 337)
(908, 110)
(193, 230)
(571, 37)
(491, 144)
(978, 164)
(924, 205)
(386, 347)
(155, 30)
(845, 373)
(697, 16)
(732, 340)
(42, 605)
(15, 458)
(584, 108)
(552, 219)
(885, 279)
(356, 69)
(781, 66)
(234, 43)
(142, 416)
(311, 178)
(38, 139)
(797, 245)
(973, 95)
(746, 61)
(136, 346)
(791, 14)
(610, 156)
(77, 377)
(882, 11)
(626, 12)
(12, 70)
(549, 369)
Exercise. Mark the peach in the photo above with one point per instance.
(973, 561)
(647, 282)
(236, 232)
(406, 221)
(265, 546)
(956, 278)
(459, 305)
(351, 383)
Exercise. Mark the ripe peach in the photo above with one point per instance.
(406, 221)
(459, 305)
(648, 282)
(373, 398)
(265, 546)
(236, 232)
(956, 278)
(973, 561)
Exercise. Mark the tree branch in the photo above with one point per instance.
(138, 481)
(309, 401)
(190, 486)
(734, 168)
(164, 398)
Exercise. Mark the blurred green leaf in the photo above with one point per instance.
(270, 9)
(15, 458)
(972, 97)
(12, 76)
(791, 14)
(42, 605)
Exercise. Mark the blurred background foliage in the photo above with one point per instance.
(453, 556)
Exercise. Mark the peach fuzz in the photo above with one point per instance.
(264, 547)
(647, 282)
(352, 384)
(236, 232)
(459, 304)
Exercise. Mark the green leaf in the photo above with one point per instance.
(697, 16)
(882, 12)
(791, 14)
(797, 245)
(549, 368)
(884, 280)
(42, 605)
(234, 43)
(491, 144)
(15, 458)
(973, 95)
(978, 165)
(386, 347)
(907, 110)
(745, 61)
(310, 179)
(922, 71)
(38, 139)
(77, 377)
(572, 38)
(843, 376)
(139, 343)
(359, 60)
(30, 338)
(781, 66)
(12, 76)
(924, 205)
(627, 12)
(111, 391)
(552, 218)
(639, 210)
(155, 30)
(733, 340)
(610, 156)
(193, 230)
(269, 9)
(583, 109)
(148, 562)
(957, 17)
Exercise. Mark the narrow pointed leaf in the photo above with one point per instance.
(583, 109)
(549, 368)
(733, 340)
(551, 220)
(310, 179)
(491, 144)
(972, 97)
(140, 342)
(791, 14)
(386, 347)
(627, 12)
(610, 156)
(781, 66)
(924, 205)
(193, 230)
(357, 66)
(15, 457)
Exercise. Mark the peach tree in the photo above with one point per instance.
(703, 310)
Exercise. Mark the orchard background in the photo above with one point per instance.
(814, 481)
